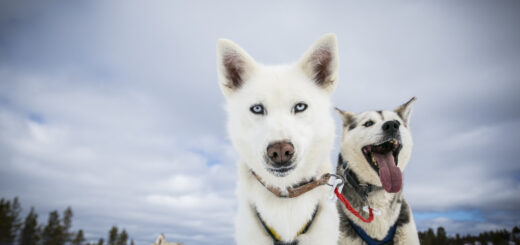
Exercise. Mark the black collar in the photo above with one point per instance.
(362, 189)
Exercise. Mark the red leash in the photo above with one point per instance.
(352, 210)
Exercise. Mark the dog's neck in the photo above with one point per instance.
(296, 190)
(388, 203)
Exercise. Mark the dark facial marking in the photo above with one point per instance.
(381, 114)
(352, 125)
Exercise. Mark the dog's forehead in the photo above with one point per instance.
(376, 116)
(279, 84)
(368, 115)
(390, 115)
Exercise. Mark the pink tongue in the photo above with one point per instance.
(389, 174)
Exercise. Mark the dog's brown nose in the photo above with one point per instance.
(281, 153)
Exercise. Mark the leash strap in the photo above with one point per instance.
(352, 210)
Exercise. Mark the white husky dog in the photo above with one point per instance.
(375, 149)
(280, 122)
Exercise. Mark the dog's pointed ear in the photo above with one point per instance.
(320, 62)
(346, 116)
(405, 110)
(234, 65)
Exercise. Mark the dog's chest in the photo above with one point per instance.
(287, 216)
(389, 205)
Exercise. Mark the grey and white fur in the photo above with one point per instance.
(372, 142)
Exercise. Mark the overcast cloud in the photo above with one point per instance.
(114, 109)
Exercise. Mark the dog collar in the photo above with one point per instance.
(295, 190)
(362, 189)
(276, 237)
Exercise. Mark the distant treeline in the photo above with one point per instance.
(57, 231)
(497, 237)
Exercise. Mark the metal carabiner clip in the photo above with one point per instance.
(338, 182)
(337, 177)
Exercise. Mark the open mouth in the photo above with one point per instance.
(383, 158)
(280, 172)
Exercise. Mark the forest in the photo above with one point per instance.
(56, 231)
(498, 237)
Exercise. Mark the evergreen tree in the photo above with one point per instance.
(458, 240)
(79, 239)
(9, 220)
(56, 232)
(430, 237)
(515, 233)
(67, 224)
(441, 238)
(123, 238)
(112, 236)
(53, 233)
(30, 234)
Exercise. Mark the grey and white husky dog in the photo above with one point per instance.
(375, 149)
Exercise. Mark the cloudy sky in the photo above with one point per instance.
(113, 107)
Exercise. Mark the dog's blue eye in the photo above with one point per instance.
(300, 107)
(257, 109)
(368, 123)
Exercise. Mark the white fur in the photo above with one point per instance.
(278, 89)
(388, 203)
